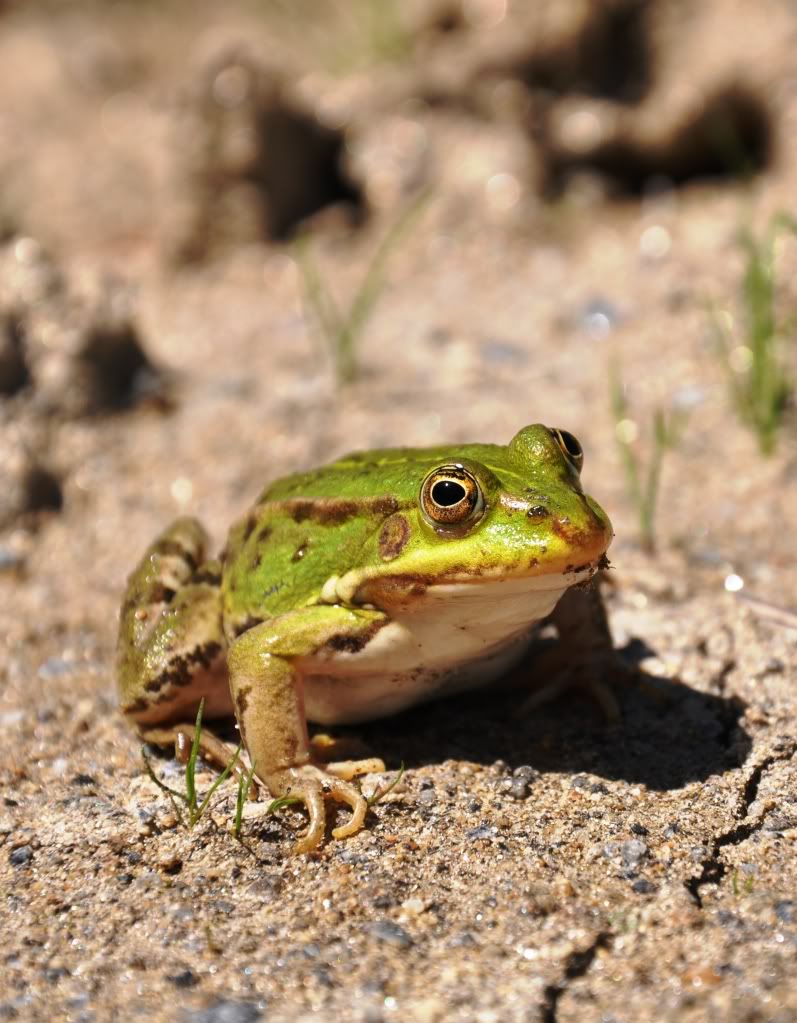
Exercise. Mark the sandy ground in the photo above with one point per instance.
(550, 868)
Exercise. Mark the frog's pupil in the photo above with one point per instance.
(447, 493)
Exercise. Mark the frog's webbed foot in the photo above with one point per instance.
(211, 748)
(598, 673)
(589, 676)
(310, 784)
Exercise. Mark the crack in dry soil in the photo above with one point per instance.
(713, 869)
(576, 966)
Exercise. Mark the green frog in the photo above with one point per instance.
(350, 592)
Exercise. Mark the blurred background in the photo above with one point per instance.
(239, 240)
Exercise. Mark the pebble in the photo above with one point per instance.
(482, 831)
(633, 851)
(184, 979)
(390, 933)
(21, 856)
(225, 1010)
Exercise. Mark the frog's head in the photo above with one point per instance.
(489, 513)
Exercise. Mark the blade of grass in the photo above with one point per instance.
(378, 795)
(342, 331)
(282, 801)
(225, 774)
(244, 784)
(190, 767)
(171, 793)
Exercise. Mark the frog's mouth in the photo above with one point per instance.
(384, 591)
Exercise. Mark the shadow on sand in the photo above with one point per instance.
(669, 735)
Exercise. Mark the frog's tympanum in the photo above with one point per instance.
(348, 593)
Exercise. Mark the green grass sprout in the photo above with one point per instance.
(244, 784)
(342, 331)
(760, 384)
(194, 808)
(642, 483)
(171, 793)
(378, 795)
(278, 804)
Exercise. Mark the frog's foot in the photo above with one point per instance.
(596, 688)
(310, 784)
(211, 748)
(597, 675)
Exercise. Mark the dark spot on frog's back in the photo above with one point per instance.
(333, 511)
(393, 537)
(242, 701)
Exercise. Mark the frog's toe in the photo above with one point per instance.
(599, 690)
(348, 769)
(308, 789)
(346, 793)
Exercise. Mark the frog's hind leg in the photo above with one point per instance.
(211, 748)
(172, 650)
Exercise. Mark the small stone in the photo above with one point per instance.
(21, 856)
(83, 779)
(390, 933)
(170, 864)
(786, 911)
(482, 831)
(671, 830)
(563, 888)
(428, 797)
(643, 887)
(633, 851)
(638, 829)
(225, 1010)
(124, 878)
(519, 788)
(184, 979)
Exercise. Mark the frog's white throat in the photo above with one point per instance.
(452, 637)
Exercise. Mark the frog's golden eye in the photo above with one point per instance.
(569, 447)
(451, 496)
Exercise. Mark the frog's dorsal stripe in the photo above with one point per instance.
(332, 511)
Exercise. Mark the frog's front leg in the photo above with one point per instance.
(266, 665)
(171, 650)
(584, 657)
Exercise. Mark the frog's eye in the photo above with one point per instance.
(569, 447)
(450, 496)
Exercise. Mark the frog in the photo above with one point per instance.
(351, 592)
